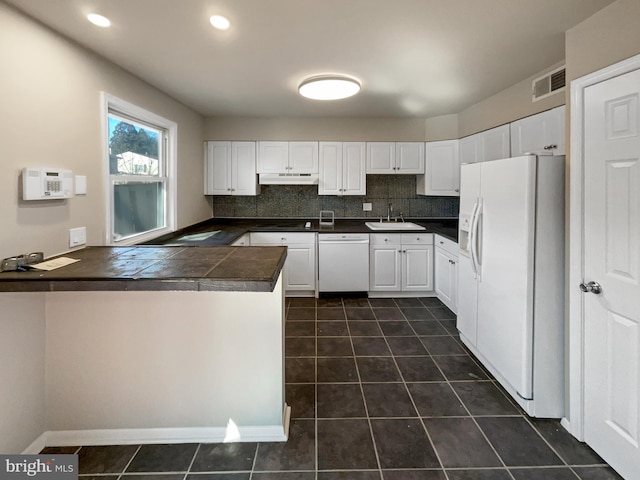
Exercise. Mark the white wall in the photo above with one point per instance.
(22, 370)
(51, 116)
(326, 129)
(163, 360)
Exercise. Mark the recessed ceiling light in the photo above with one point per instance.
(220, 22)
(329, 87)
(99, 20)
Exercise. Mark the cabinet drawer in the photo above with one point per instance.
(282, 238)
(385, 239)
(417, 238)
(447, 245)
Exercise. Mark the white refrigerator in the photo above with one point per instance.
(511, 276)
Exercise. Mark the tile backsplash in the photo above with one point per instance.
(303, 201)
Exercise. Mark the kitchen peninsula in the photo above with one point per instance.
(155, 345)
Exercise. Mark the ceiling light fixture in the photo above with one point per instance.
(329, 87)
(99, 20)
(219, 22)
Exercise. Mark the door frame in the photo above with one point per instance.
(574, 421)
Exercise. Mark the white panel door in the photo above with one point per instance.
(244, 180)
(469, 149)
(506, 258)
(303, 157)
(612, 259)
(330, 178)
(384, 268)
(445, 276)
(218, 168)
(494, 144)
(409, 157)
(417, 268)
(381, 157)
(442, 169)
(542, 134)
(273, 157)
(300, 270)
(354, 178)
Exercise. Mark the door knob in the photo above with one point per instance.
(593, 287)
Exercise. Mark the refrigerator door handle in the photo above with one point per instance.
(470, 239)
(475, 259)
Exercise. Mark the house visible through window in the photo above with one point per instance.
(140, 171)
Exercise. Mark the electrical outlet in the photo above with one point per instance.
(367, 207)
(77, 236)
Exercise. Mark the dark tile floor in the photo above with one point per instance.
(379, 389)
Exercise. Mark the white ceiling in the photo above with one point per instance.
(415, 58)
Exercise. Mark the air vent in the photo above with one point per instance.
(550, 83)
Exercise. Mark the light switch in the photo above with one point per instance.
(81, 185)
(77, 236)
(367, 207)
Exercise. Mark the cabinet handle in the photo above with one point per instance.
(551, 147)
(457, 190)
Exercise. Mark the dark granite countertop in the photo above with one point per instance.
(224, 231)
(138, 268)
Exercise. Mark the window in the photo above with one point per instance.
(140, 159)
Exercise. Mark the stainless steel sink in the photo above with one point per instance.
(400, 226)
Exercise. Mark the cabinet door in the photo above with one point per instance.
(330, 178)
(217, 170)
(384, 268)
(540, 134)
(417, 267)
(495, 144)
(442, 170)
(300, 267)
(444, 281)
(303, 157)
(243, 241)
(409, 158)
(244, 180)
(381, 157)
(273, 157)
(354, 178)
(469, 149)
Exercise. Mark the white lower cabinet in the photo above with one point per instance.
(243, 241)
(446, 271)
(300, 266)
(401, 262)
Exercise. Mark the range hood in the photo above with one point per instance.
(288, 179)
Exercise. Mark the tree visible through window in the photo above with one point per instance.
(138, 175)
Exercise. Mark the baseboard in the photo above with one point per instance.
(385, 294)
(564, 421)
(129, 436)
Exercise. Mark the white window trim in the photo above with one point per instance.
(108, 102)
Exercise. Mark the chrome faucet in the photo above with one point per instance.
(389, 211)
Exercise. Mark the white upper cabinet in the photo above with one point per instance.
(342, 168)
(395, 157)
(494, 144)
(381, 157)
(288, 157)
(442, 169)
(468, 149)
(230, 169)
(541, 134)
(410, 157)
(303, 157)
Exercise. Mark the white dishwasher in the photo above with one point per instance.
(343, 262)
